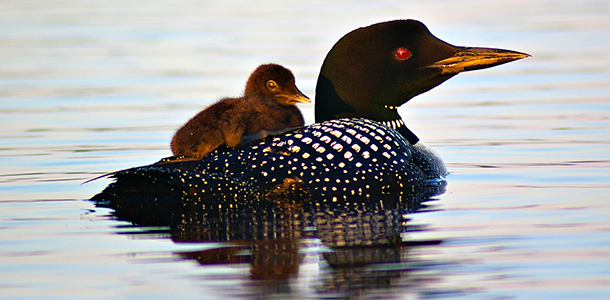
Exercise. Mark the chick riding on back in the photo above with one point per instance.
(267, 107)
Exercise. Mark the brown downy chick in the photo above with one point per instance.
(268, 106)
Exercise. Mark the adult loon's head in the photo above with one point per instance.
(373, 70)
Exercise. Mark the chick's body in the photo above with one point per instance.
(268, 105)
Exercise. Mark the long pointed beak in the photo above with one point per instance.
(472, 58)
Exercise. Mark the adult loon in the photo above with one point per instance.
(358, 152)
(268, 105)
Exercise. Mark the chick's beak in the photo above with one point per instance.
(299, 97)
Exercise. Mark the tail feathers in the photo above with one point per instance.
(161, 195)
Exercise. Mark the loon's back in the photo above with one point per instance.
(345, 162)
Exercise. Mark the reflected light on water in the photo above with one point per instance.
(91, 87)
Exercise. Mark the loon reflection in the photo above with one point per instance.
(358, 250)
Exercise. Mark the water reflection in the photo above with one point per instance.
(359, 249)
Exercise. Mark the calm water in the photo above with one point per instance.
(89, 87)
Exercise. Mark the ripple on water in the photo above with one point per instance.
(101, 85)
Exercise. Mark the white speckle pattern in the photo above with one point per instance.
(348, 155)
(394, 124)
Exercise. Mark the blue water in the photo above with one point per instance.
(89, 87)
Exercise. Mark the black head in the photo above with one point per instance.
(372, 70)
(271, 81)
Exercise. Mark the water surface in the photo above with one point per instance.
(89, 87)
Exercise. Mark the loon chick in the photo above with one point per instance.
(347, 159)
(268, 104)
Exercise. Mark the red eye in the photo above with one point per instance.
(402, 53)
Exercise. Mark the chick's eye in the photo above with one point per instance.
(402, 53)
(271, 85)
